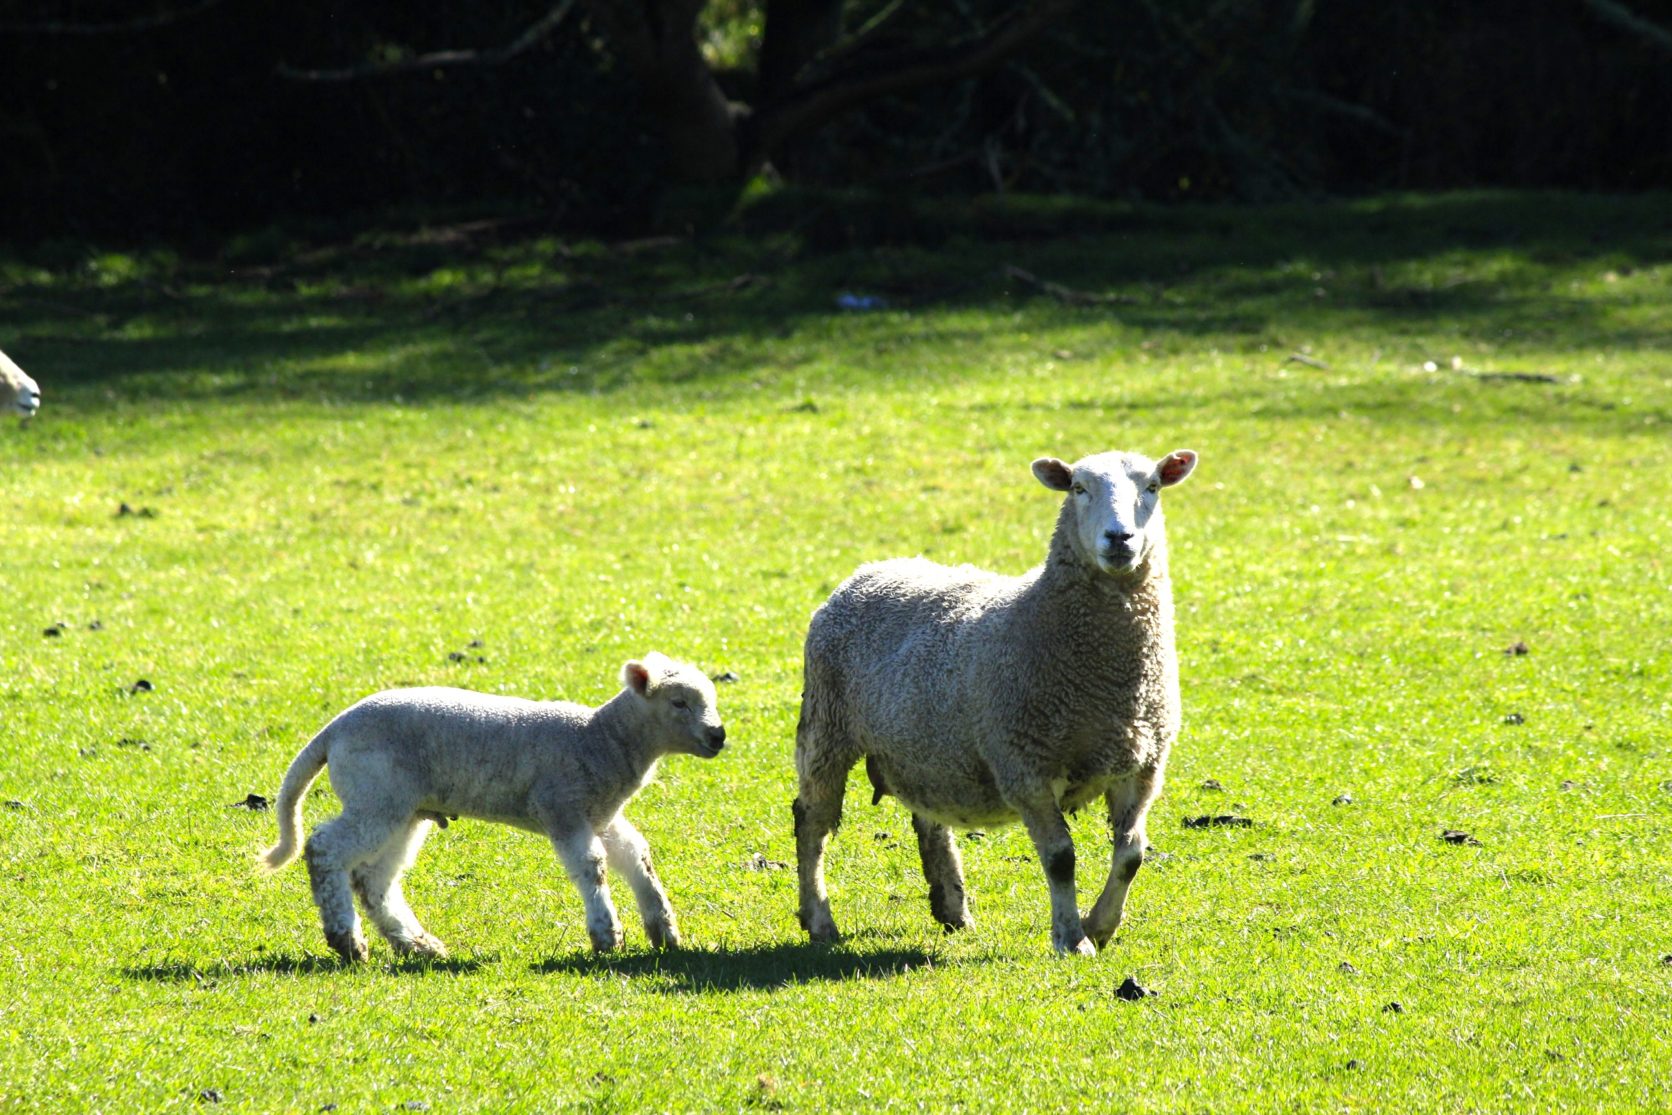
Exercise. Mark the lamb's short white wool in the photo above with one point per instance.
(978, 699)
(404, 759)
(18, 393)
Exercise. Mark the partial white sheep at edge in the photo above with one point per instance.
(979, 699)
(18, 392)
(404, 759)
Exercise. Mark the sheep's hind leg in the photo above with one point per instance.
(629, 854)
(823, 756)
(945, 872)
(583, 859)
(1129, 804)
(378, 883)
(336, 848)
(1055, 846)
(818, 811)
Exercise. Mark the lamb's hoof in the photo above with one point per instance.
(663, 936)
(606, 941)
(350, 946)
(954, 924)
(424, 945)
(1082, 947)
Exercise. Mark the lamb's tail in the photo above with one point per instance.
(303, 770)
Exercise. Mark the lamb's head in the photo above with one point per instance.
(18, 393)
(1112, 516)
(679, 699)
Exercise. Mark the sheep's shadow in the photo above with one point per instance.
(751, 968)
(182, 971)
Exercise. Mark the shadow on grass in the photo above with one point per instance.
(181, 971)
(508, 314)
(753, 968)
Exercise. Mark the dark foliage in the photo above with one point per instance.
(185, 127)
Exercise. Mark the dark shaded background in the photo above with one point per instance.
(187, 130)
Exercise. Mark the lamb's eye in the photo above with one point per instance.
(1079, 489)
(680, 703)
(1154, 487)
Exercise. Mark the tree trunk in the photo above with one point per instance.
(797, 31)
(657, 41)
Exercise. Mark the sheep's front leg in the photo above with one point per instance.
(1056, 852)
(1129, 804)
(583, 858)
(629, 854)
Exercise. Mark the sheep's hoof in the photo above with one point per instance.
(663, 936)
(953, 925)
(606, 941)
(1082, 947)
(424, 945)
(350, 946)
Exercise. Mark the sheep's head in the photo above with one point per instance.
(681, 701)
(18, 392)
(1113, 510)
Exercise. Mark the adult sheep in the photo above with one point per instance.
(979, 699)
(18, 393)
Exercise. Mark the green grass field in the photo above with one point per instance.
(1431, 429)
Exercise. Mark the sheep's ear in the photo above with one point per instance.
(635, 676)
(1053, 473)
(1175, 466)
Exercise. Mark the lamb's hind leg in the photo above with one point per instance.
(945, 872)
(629, 854)
(378, 883)
(336, 848)
(1129, 803)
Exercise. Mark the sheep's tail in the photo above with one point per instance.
(297, 780)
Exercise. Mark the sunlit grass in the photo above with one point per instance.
(345, 464)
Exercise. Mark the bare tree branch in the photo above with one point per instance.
(117, 27)
(535, 33)
(866, 77)
(1629, 21)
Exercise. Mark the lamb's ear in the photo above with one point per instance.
(1175, 466)
(635, 676)
(1053, 473)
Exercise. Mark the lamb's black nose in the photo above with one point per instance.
(1119, 538)
(717, 737)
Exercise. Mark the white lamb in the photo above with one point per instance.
(405, 758)
(18, 392)
(977, 699)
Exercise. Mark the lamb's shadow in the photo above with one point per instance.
(752, 968)
(182, 971)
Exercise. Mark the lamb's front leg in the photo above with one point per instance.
(583, 858)
(1129, 804)
(629, 854)
(1056, 852)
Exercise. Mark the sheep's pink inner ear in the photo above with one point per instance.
(1177, 465)
(636, 677)
(1053, 473)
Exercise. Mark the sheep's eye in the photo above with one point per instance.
(679, 702)
(1079, 489)
(1154, 487)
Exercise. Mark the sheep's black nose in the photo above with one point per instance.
(1117, 537)
(717, 737)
